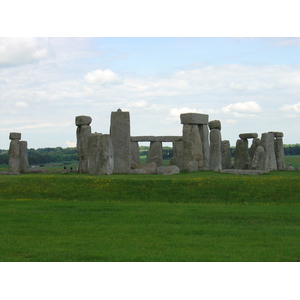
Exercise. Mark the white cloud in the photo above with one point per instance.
(293, 107)
(19, 51)
(139, 103)
(175, 112)
(237, 86)
(21, 104)
(243, 107)
(102, 76)
(70, 144)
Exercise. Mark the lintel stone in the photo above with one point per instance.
(215, 124)
(277, 133)
(248, 135)
(167, 139)
(83, 120)
(15, 136)
(194, 118)
(151, 138)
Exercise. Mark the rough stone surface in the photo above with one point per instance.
(215, 155)
(192, 145)
(144, 138)
(267, 141)
(204, 135)
(178, 153)
(244, 172)
(215, 124)
(14, 156)
(168, 170)
(83, 120)
(194, 118)
(15, 136)
(279, 152)
(226, 155)
(100, 154)
(24, 165)
(150, 168)
(155, 153)
(192, 166)
(255, 143)
(168, 139)
(248, 135)
(37, 170)
(258, 160)
(138, 172)
(135, 153)
(83, 132)
(277, 133)
(121, 141)
(9, 173)
(290, 168)
(241, 158)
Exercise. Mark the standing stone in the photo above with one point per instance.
(14, 152)
(120, 136)
(192, 145)
(155, 154)
(100, 154)
(226, 155)
(178, 155)
(24, 165)
(204, 135)
(83, 132)
(258, 160)
(255, 143)
(267, 141)
(215, 155)
(279, 152)
(135, 153)
(241, 158)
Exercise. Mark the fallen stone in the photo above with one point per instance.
(150, 168)
(83, 120)
(138, 172)
(168, 170)
(194, 118)
(9, 173)
(37, 170)
(290, 168)
(248, 135)
(192, 166)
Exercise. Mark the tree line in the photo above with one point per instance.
(59, 154)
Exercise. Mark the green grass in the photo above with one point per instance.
(294, 160)
(202, 216)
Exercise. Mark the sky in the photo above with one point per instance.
(249, 84)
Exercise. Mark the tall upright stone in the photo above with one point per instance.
(255, 143)
(204, 134)
(241, 157)
(178, 155)
(24, 165)
(135, 153)
(267, 141)
(120, 136)
(258, 160)
(279, 150)
(82, 133)
(226, 155)
(100, 154)
(14, 152)
(155, 153)
(215, 156)
(192, 146)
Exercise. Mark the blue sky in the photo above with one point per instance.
(249, 84)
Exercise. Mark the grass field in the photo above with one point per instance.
(202, 216)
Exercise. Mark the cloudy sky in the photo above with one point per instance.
(249, 84)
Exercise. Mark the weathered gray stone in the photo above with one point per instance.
(100, 154)
(37, 170)
(15, 136)
(267, 141)
(14, 156)
(24, 165)
(9, 173)
(258, 160)
(178, 155)
(255, 143)
(248, 135)
(168, 139)
(226, 155)
(192, 166)
(155, 153)
(144, 138)
(241, 158)
(83, 132)
(83, 120)
(277, 133)
(135, 153)
(279, 152)
(215, 124)
(192, 145)
(290, 168)
(215, 155)
(194, 118)
(120, 136)
(168, 170)
(150, 168)
(204, 135)
(138, 172)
